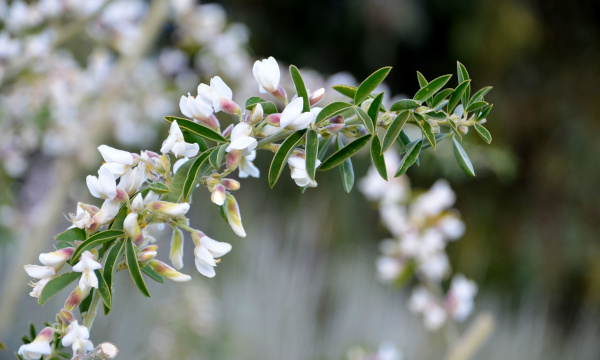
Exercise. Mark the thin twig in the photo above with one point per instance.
(103, 351)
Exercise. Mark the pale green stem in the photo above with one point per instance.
(271, 139)
(88, 321)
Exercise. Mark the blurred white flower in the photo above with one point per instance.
(433, 202)
(459, 299)
(247, 167)
(43, 273)
(423, 302)
(292, 116)
(39, 346)
(266, 73)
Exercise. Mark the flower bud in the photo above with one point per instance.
(463, 129)
(176, 253)
(211, 122)
(76, 297)
(434, 127)
(230, 107)
(230, 184)
(133, 229)
(256, 115)
(169, 209)
(227, 130)
(333, 128)
(196, 236)
(233, 159)
(57, 258)
(273, 119)
(168, 272)
(65, 316)
(234, 218)
(316, 96)
(137, 205)
(338, 119)
(147, 253)
(280, 93)
(218, 195)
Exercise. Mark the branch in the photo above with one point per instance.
(103, 351)
(474, 338)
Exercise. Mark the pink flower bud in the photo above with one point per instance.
(133, 229)
(56, 258)
(233, 159)
(230, 184)
(169, 209)
(338, 119)
(230, 107)
(76, 297)
(147, 253)
(218, 195)
(316, 96)
(234, 217)
(211, 122)
(333, 128)
(256, 115)
(273, 119)
(227, 130)
(196, 236)
(280, 93)
(168, 272)
(65, 316)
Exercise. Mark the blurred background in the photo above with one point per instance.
(302, 284)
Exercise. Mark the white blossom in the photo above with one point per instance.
(86, 266)
(437, 199)
(422, 301)
(206, 251)
(132, 179)
(459, 299)
(266, 73)
(105, 186)
(292, 116)
(299, 174)
(247, 167)
(83, 218)
(195, 107)
(77, 337)
(241, 139)
(43, 273)
(117, 161)
(39, 346)
(176, 144)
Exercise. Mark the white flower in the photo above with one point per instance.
(241, 139)
(56, 258)
(221, 94)
(133, 229)
(437, 199)
(176, 144)
(77, 336)
(266, 73)
(169, 209)
(117, 161)
(106, 214)
(132, 179)
(421, 301)
(299, 174)
(206, 251)
(395, 218)
(104, 186)
(459, 300)
(247, 168)
(43, 273)
(292, 116)
(83, 218)
(86, 266)
(195, 107)
(388, 268)
(451, 226)
(39, 346)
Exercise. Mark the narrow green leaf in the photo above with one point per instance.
(63, 244)
(198, 168)
(476, 106)
(375, 107)
(394, 130)
(152, 274)
(483, 113)
(312, 151)
(323, 147)
(377, 157)
(346, 170)
(179, 180)
(422, 81)
(410, 158)
(71, 235)
(104, 290)
(192, 138)
(57, 284)
(405, 104)
(85, 304)
(366, 120)
(32, 332)
(331, 110)
(478, 96)
(134, 267)
(483, 132)
(462, 158)
(462, 76)
(426, 144)
(98, 238)
(159, 188)
(110, 264)
(454, 128)
(267, 106)
(433, 87)
(370, 84)
(425, 128)
(216, 157)
(282, 155)
(346, 90)
(300, 87)
(195, 128)
(344, 153)
(438, 115)
(457, 95)
(441, 96)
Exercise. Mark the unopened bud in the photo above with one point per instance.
(57, 258)
(333, 128)
(168, 272)
(234, 218)
(280, 93)
(256, 115)
(211, 122)
(65, 316)
(218, 195)
(233, 159)
(169, 209)
(316, 96)
(133, 229)
(463, 129)
(273, 119)
(227, 130)
(338, 119)
(121, 195)
(147, 253)
(76, 297)
(434, 127)
(230, 184)
(176, 253)
(137, 205)
(230, 107)
(196, 236)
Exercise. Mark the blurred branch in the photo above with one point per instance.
(103, 351)
(474, 338)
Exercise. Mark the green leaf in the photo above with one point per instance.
(403, 139)
(152, 274)
(323, 147)
(282, 155)
(344, 153)
(441, 96)
(63, 244)
(134, 267)
(422, 81)
(71, 235)
(478, 96)
(346, 90)
(484, 133)
(405, 104)
(410, 158)
(374, 108)
(216, 157)
(462, 158)
(104, 290)
(57, 284)
(198, 168)
(454, 128)
(252, 101)
(433, 87)
(196, 128)
(300, 87)
(267, 106)
(32, 332)
(179, 179)
(346, 170)
(110, 263)
(159, 188)
(331, 110)
(438, 115)
(426, 145)
(462, 76)
(192, 138)
(312, 151)
(425, 128)
(98, 238)
(85, 304)
(457, 95)
(476, 106)
(377, 157)
(2, 346)
(394, 130)
(483, 113)
(370, 84)
(366, 120)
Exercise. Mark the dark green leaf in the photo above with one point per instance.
(462, 158)
(252, 101)
(192, 138)
(346, 90)
(475, 106)
(478, 96)
(179, 179)
(366, 120)
(457, 95)
(409, 159)
(282, 155)
(482, 114)
(195, 128)
(152, 274)
(426, 145)
(312, 151)
(394, 130)
(159, 188)
(98, 238)
(85, 304)
(104, 290)
(71, 235)
(134, 267)
(438, 115)
(323, 147)
(441, 96)
(331, 110)
(377, 157)
(2, 346)
(454, 128)
(422, 81)
(425, 128)
(346, 170)
(370, 84)
(300, 87)
(374, 108)
(110, 264)
(405, 104)
(403, 139)
(433, 87)
(62, 245)
(216, 157)
(483, 132)
(32, 332)
(344, 153)
(198, 168)
(462, 76)
(267, 106)
(57, 284)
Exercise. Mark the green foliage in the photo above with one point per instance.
(346, 170)
(152, 274)
(159, 188)
(483, 132)
(394, 130)
(198, 168)
(410, 158)
(110, 263)
(104, 290)
(98, 238)
(462, 158)
(375, 108)
(72, 234)
(134, 268)
(312, 152)
(366, 120)
(426, 129)
(370, 84)
(267, 106)
(330, 111)
(431, 88)
(343, 153)
(377, 157)
(457, 95)
(195, 128)
(300, 87)
(346, 90)
(57, 284)
(216, 157)
(406, 104)
(282, 155)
